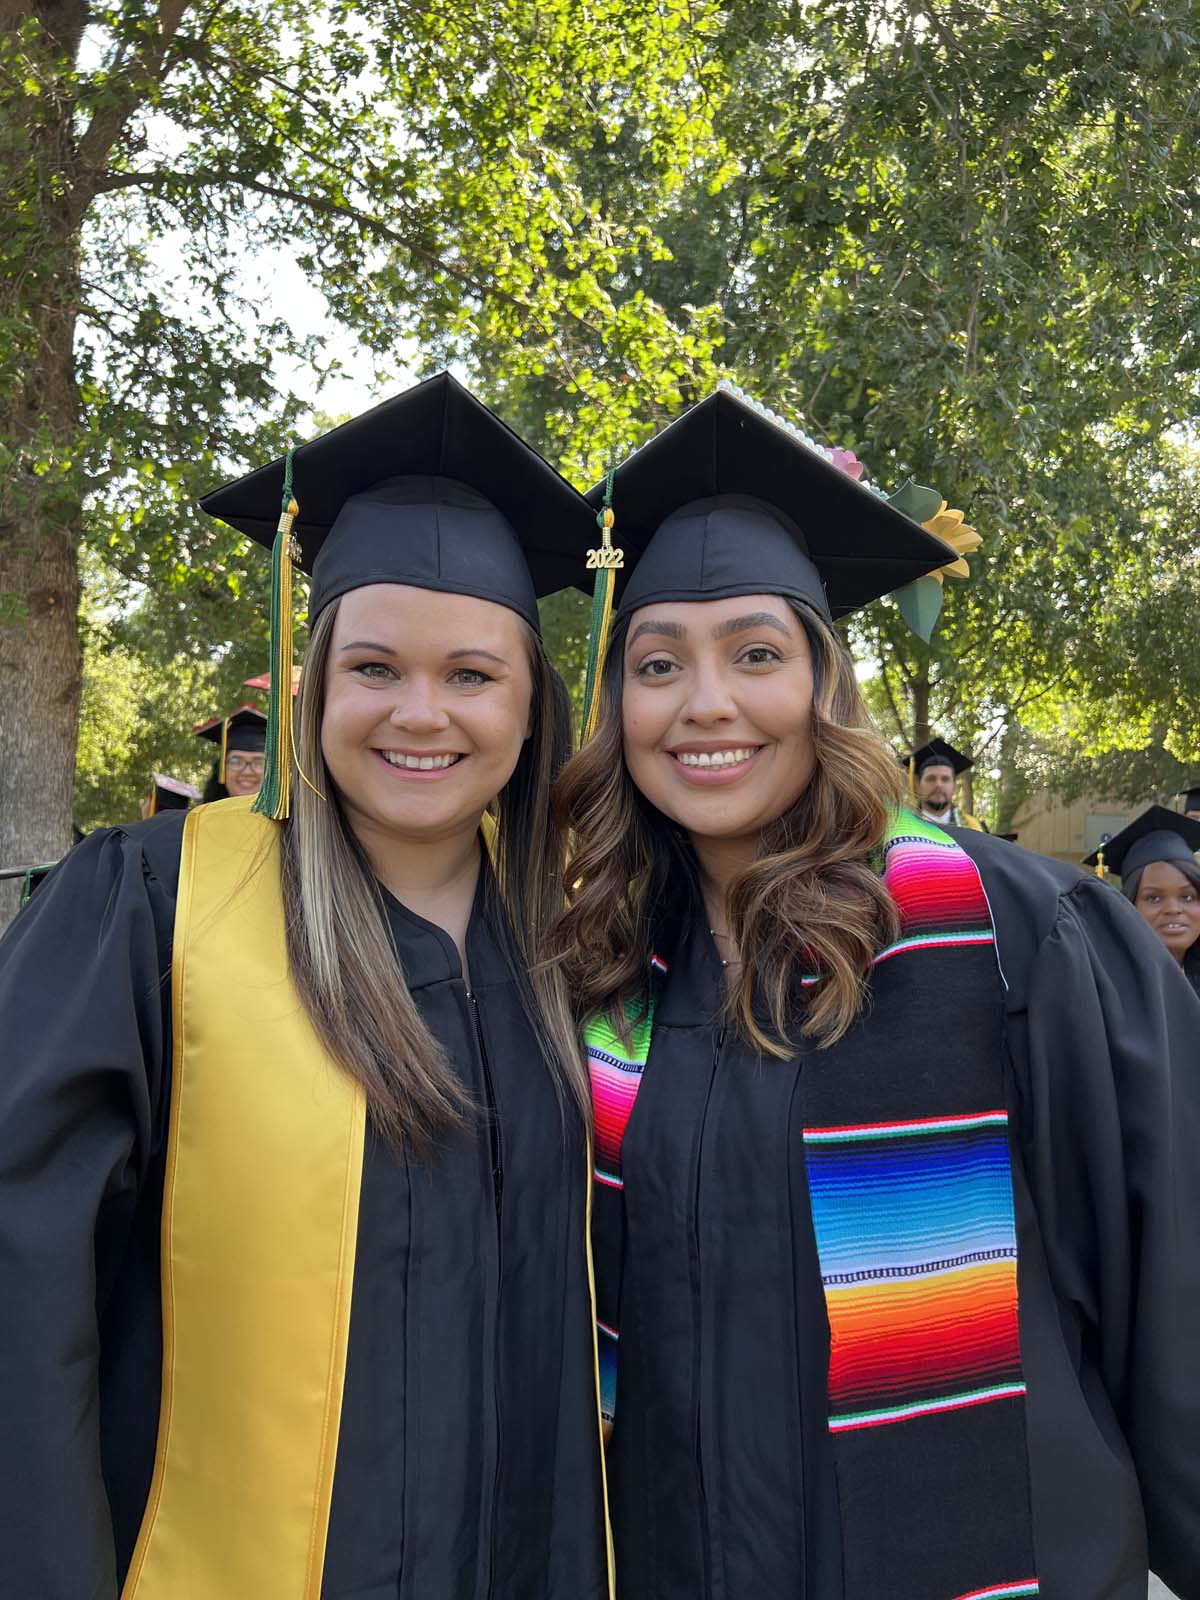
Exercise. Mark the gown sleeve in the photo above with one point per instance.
(1109, 1068)
(84, 998)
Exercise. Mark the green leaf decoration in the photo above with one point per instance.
(920, 603)
(916, 501)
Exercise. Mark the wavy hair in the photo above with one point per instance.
(340, 950)
(812, 903)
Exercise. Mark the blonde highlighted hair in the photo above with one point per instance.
(812, 903)
(340, 948)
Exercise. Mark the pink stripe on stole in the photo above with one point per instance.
(613, 1094)
(928, 883)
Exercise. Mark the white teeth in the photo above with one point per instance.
(418, 763)
(716, 758)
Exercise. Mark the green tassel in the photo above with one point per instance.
(274, 797)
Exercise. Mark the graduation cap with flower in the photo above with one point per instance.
(731, 498)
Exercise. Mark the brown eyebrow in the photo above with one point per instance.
(756, 619)
(454, 655)
(368, 644)
(668, 630)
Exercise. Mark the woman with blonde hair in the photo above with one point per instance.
(294, 1279)
(897, 1202)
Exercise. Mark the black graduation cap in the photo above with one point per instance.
(243, 729)
(429, 488)
(170, 794)
(730, 499)
(1157, 835)
(1190, 797)
(1010, 837)
(937, 753)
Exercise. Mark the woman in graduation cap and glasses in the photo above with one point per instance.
(294, 1276)
(241, 741)
(897, 1200)
(1155, 858)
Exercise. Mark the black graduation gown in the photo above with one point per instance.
(721, 1469)
(468, 1462)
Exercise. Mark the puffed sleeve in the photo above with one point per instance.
(1111, 1075)
(84, 987)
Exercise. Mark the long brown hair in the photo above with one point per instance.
(812, 902)
(340, 950)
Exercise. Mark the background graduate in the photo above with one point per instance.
(168, 794)
(1154, 857)
(934, 771)
(897, 1197)
(294, 1293)
(241, 741)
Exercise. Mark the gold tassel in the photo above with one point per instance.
(275, 796)
(608, 562)
(224, 750)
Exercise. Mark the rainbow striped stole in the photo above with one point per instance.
(913, 1218)
(917, 1240)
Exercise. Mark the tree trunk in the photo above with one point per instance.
(966, 792)
(40, 445)
(919, 694)
(39, 691)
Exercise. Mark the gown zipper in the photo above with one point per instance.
(497, 1196)
(699, 1316)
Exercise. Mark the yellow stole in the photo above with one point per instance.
(260, 1219)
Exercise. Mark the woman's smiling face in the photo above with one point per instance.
(717, 712)
(427, 705)
(1170, 903)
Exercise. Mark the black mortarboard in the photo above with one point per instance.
(1190, 797)
(1157, 835)
(170, 794)
(431, 489)
(937, 753)
(729, 499)
(243, 729)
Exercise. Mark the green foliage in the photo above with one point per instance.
(958, 238)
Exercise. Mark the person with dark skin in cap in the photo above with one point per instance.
(241, 740)
(294, 1273)
(1156, 862)
(897, 1198)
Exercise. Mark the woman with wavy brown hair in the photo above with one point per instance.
(898, 1290)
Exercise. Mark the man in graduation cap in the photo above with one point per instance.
(241, 740)
(934, 771)
(276, 1324)
(1191, 800)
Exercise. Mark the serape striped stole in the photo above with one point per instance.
(914, 1224)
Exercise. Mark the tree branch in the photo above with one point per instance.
(208, 178)
(127, 94)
